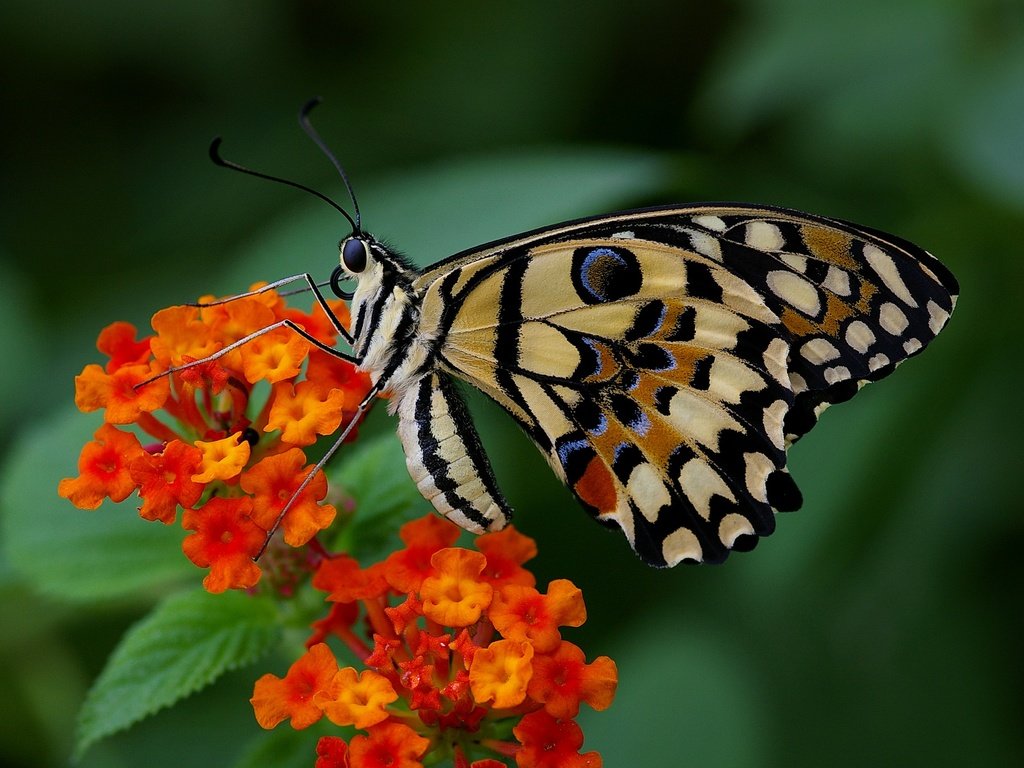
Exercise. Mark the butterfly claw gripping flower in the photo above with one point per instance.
(448, 670)
(228, 453)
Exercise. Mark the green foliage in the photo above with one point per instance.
(186, 643)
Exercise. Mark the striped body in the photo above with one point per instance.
(663, 360)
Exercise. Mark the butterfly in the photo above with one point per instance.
(663, 360)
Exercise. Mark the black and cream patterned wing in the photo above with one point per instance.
(663, 360)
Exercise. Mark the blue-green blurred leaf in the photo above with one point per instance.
(189, 641)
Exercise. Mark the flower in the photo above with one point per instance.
(275, 699)
(446, 670)
(104, 469)
(388, 745)
(357, 699)
(219, 437)
(225, 541)
(500, 673)
(456, 595)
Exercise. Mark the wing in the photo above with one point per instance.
(664, 360)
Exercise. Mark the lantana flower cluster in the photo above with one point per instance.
(460, 657)
(223, 440)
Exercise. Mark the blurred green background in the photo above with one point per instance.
(881, 624)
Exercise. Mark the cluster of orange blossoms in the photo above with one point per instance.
(230, 454)
(463, 656)
(469, 647)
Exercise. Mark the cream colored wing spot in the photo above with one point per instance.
(937, 317)
(796, 291)
(886, 269)
(690, 414)
(910, 346)
(545, 351)
(764, 236)
(775, 361)
(648, 491)
(732, 527)
(818, 351)
(836, 374)
(892, 319)
(859, 336)
(796, 261)
(774, 416)
(758, 467)
(714, 223)
(681, 545)
(877, 361)
(705, 244)
(730, 378)
(700, 481)
(837, 280)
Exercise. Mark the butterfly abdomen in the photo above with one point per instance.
(444, 455)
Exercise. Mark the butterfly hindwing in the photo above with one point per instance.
(664, 360)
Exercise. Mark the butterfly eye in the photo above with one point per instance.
(353, 255)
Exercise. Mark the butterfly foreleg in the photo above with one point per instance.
(445, 457)
(361, 409)
(245, 340)
(311, 285)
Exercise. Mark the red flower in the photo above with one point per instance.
(165, 480)
(389, 745)
(225, 541)
(103, 469)
(292, 697)
(551, 743)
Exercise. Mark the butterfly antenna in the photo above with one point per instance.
(307, 126)
(218, 160)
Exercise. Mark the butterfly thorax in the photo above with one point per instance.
(386, 324)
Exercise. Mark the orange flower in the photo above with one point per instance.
(165, 480)
(523, 613)
(562, 679)
(225, 541)
(275, 356)
(222, 459)
(180, 333)
(407, 568)
(456, 596)
(501, 672)
(103, 469)
(117, 341)
(273, 481)
(389, 745)
(116, 393)
(356, 699)
(304, 411)
(550, 743)
(345, 581)
(275, 699)
(506, 551)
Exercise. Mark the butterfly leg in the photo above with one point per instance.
(311, 286)
(245, 340)
(362, 408)
(445, 457)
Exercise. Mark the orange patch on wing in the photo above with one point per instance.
(597, 487)
(829, 244)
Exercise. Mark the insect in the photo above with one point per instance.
(663, 360)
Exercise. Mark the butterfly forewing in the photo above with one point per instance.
(665, 359)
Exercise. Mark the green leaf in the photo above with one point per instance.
(376, 477)
(282, 748)
(189, 641)
(67, 552)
